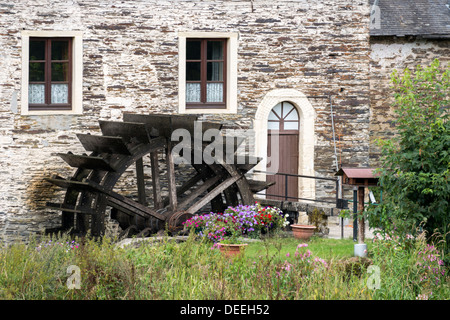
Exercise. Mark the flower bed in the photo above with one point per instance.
(247, 221)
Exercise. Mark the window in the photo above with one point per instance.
(50, 67)
(52, 70)
(207, 72)
(283, 117)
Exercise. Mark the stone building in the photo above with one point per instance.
(66, 64)
(405, 34)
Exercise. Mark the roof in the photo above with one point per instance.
(364, 173)
(424, 18)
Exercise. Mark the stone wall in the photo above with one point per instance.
(386, 55)
(130, 61)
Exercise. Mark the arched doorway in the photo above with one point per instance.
(283, 129)
(306, 143)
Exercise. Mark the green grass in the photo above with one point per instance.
(192, 270)
(321, 247)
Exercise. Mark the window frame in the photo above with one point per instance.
(48, 74)
(203, 104)
(75, 76)
(230, 73)
(281, 119)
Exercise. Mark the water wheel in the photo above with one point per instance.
(90, 193)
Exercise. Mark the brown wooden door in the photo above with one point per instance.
(283, 124)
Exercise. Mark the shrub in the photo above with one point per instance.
(411, 268)
(415, 163)
(37, 269)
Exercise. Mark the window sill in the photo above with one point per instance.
(50, 112)
(204, 110)
(205, 107)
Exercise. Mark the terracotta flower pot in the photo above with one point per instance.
(303, 232)
(231, 250)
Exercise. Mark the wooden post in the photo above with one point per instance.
(361, 225)
(157, 199)
(140, 181)
(98, 220)
(355, 212)
(242, 184)
(171, 177)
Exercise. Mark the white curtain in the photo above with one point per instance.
(60, 93)
(193, 92)
(214, 92)
(36, 93)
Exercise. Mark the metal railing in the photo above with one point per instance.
(339, 203)
(286, 196)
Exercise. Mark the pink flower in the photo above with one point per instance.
(287, 254)
(287, 266)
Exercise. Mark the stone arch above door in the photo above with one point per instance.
(307, 116)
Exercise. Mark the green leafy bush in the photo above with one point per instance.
(415, 164)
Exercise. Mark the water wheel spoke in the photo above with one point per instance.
(259, 185)
(199, 191)
(117, 200)
(141, 181)
(70, 208)
(156, 183)
(173, 202)
(212, 194)
(229, 192)
(242, 184)
(187, 185)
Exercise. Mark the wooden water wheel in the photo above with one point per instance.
(128, 144)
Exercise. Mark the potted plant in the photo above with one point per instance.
(232, 245)
(303, 231)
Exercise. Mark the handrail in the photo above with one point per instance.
(287, 197)
(296, 175)
(286, 175)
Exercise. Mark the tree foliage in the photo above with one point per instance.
(415, 164)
